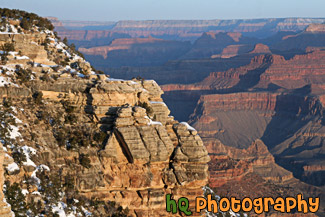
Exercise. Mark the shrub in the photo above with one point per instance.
(37, 96)
(25, 24)
(16, 199)
(99, 137)
(45, 77)
(6, 48)
(54, 76)
(147, 107)
(19, 156)
(6, 120)
(65, 41)
(84, 160)
(23, 75)
(26, 18)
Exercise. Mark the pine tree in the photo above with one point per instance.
(25, 24)
(6, 121)
(16, 199)
(65, 41)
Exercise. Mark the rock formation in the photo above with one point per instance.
(5, 210)
(136, 52)
(82, 142)
(273, 101)
(312, 36)
(185, 29)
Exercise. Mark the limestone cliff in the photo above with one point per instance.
(79, 142)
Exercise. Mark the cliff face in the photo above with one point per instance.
(143, 159)
(232, 164)
(266, 71)
(254, 137)
(211, 44)
(79, 139)
(296, 72)
(312, 36)
(5, 210)
(192, 29)
(136, 52)
(273, 100)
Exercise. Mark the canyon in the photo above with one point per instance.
(184, 29)
(255, 98)
(252, 89)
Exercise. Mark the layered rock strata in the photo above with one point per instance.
(60, 103)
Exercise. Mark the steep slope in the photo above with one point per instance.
(80, 143)
(274, 100)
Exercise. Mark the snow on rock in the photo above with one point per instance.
(6, 81)
(155, 123)
(59, 209)
(154, 102)
(39, 168)
(12, 167)
(43, 167)
(14, 54)
(29, 162)
(22, 58)
(151, 122)
(115, 79)
(14, 132)
(28, 151)
(86, 212)
(24, 191)
(188, 126)
(8, 29)
(38, 181)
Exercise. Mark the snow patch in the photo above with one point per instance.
(151, 122)
(14, 132)
(28, 151)
(24, 191)
(12, 167)
(59, 209)
(155, 102)
(115, 79)
(188, 126)
(86, 212)
(4, 81)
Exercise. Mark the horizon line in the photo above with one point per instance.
(217, 19)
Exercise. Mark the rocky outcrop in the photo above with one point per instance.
(233, 50)
(144, 155)
(261, 49)
(296, 72)
(117, 44)
(144, 158)
(212, 44)
(316, 28)
(266, 71)
(231, 164)
(313, 36)
(260, 101)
